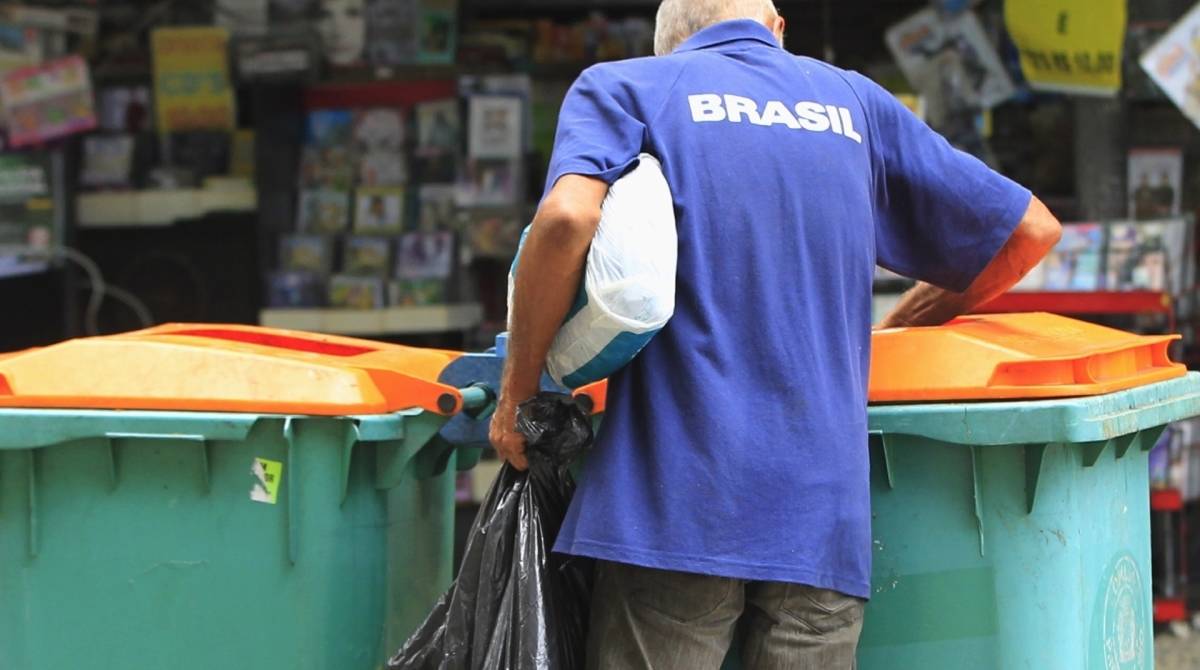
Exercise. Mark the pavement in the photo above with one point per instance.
(1174, 652)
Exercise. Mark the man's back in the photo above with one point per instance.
(735, 445)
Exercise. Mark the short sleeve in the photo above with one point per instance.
(598, 135)
(941, 214)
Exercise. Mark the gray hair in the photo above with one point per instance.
(680, 19)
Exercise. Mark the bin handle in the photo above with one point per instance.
(292, 341)
(5, 387)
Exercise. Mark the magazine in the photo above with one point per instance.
(107, 161)
(349, 292)
(1155, 183)
(328, 156)
(291, 290)
(1074, 264)
(439, 208)
(947, 57)
(1174, 64)
(379, 144)
(369, 256)
(324, 211)
(306, 253)
(393, 32)
(379, 211)
(490, 183)
(437, 38)
(426, 256)
(416, 292)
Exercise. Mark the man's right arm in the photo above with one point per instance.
(928, 305)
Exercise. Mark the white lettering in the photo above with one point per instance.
(737, 106)
(706, 108)
(812, 117)
(835, 119)
(848, 126)
(777, 112)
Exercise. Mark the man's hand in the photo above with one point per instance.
(927, 305)
(547, 282)
(504, 436)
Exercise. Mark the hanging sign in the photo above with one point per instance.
(1069, 46)
(191, 79)
(1174, 64)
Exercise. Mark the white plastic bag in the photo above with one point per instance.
(628, 291)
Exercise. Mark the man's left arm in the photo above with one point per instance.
(547, 282)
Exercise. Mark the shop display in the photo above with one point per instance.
(295, 290)
(950, 61)
(1069, 46)
(107, 161)
(349, 292)
(342, 25)
(417, 292)
(379, 142)
(439, 209)
(306, 253)
(425, 256)
(366, 256)
(1174, 64)
(495, 232)
(490, 183)
(496, 127)
(123, 108)
(44, 102)
(324, 211)
(328, 157)
(26, 210)
(1155, 183)
(393, 31)
(379, 210)
(192, 89)
(437, 31)
(1074, 264)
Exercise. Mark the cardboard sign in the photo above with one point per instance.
(1069, 46)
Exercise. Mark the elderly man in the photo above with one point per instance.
(729, 483)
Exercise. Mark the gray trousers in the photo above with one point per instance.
(658, 620)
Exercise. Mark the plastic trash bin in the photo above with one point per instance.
(222, 497)
(1014, 534)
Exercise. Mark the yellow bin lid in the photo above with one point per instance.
(1014, 356)
(223, 368)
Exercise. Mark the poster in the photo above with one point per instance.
(1069, 46)
(1155, 183)
(191, 79)
(496, 122)
(243, 17)
(949, 58)
(437, 34)
(1174, 64)
(426, 256)
(44, 102)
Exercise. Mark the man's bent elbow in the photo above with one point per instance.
(566, 223)
(1040, 229)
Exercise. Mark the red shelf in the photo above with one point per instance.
(1166, 500)
(1167, 610)
(1094, 302)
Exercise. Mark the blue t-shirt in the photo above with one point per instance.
(736, 443)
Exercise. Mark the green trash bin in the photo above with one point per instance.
(1016, 534)
(137, 539)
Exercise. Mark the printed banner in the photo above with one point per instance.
(1174, 64)
(1069, 46)
(191, 79)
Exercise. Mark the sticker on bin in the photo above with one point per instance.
(267, 477)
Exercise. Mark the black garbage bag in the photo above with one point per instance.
(514, 605)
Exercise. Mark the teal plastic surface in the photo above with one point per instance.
(1016, 535)
(133, 539)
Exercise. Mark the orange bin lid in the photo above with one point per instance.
(1014, 356)
(223, 368)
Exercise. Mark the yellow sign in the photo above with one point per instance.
(191, 79)
(1070, 46)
